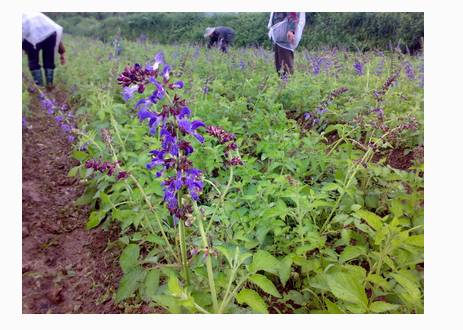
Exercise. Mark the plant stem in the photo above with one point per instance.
(210, 274)
(222, 198)
(181, 229)
(346, 186)
(150, 206)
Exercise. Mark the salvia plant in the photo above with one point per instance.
(291, 221)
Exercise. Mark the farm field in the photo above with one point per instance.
(200, 182)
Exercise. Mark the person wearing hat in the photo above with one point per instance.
(41, 34)
(220, 36)
(285, 31)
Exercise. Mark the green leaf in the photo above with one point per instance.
(379, 281)
(95, 218)
(174, 286)
(129, 283)
(79, 155)
(73, 171)
(351, 252)
(265, 284)
(153, 238)
(348, 287)
(372, 219)
(129, 257)
(152, 283)
(332, 307)
(263, 260)
(415, 240)
(253, 300)
(284, 269)
(382, 307)
(330, 186)
(411, 288)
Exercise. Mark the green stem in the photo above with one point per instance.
(346, 186)
(181, 230)
(210, 274)
(222, 198)
(150, 206)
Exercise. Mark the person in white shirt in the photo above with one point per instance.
(285, 31)
(41, 34)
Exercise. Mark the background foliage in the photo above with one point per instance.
(354, 31)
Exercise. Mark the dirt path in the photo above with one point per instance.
(66, 269)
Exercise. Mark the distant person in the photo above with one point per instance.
(220, 36)
(41, 34)
(285, 30)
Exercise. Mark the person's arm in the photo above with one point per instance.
(212, 39)
(61, 52)
(293, 20)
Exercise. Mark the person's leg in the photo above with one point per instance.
(288, 61)
(33, 62)
(276, 49)
(224, 46)
(48, 56)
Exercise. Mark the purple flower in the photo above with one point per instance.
(127, 92)
(24, 121)
(190, 128)
(307, 116)
(158, 59)
(66, 128)
(166, 73)
(176, 85)
(409, 70)
(59, 119)
(358, 66)
(71, 138)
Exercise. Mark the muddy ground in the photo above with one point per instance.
(65, 268)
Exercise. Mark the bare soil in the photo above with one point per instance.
(65, 268)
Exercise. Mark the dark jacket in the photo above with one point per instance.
(221, 32)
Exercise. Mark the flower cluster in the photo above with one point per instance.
(174, 125)
(229, 140)
(379, 95)
(182, 183)
(107, 168)
(61, 115)
(310, 119)
(358, 67)
(409, 71)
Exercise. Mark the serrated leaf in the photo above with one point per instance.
(332, 307)
(351, 252)
(265, 284)
(411, 288)
(382, 307)
(129, 283)
(330, 186)
(73, 171)
(174, 286)
(284, 269)
(379, 281)
(347, 287)
(372, 219)
(95, 218)
(152, 238)
(263, 260)
(415, 240)
(253, 300)
(152, 283)
(129, 257)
